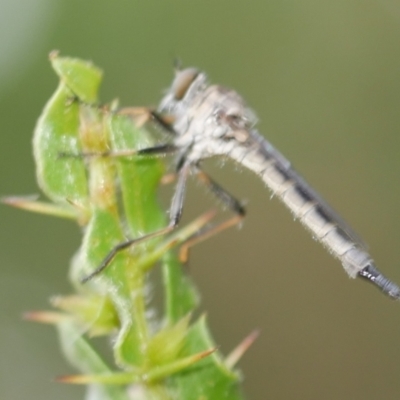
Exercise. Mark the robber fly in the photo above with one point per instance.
(206, 121)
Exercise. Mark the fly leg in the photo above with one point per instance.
(158, 150)
(174, 218)
(228, 200)
(140, 115)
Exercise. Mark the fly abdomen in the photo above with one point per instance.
(314, 214)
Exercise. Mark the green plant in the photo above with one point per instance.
(172, 357)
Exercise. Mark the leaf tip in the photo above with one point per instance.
(54, 54)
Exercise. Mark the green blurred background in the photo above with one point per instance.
(324, 80)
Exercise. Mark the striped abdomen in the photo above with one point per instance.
(312, 211)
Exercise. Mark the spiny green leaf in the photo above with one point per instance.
(209, 378)
(82, 77)
(166, 345)
(61, 179)
(93, 312)
(139, 177)
(81, 355)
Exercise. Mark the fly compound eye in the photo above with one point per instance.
(183, 80)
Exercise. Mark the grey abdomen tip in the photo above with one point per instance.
(388, 287)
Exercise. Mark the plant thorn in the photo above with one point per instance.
(238, 352)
